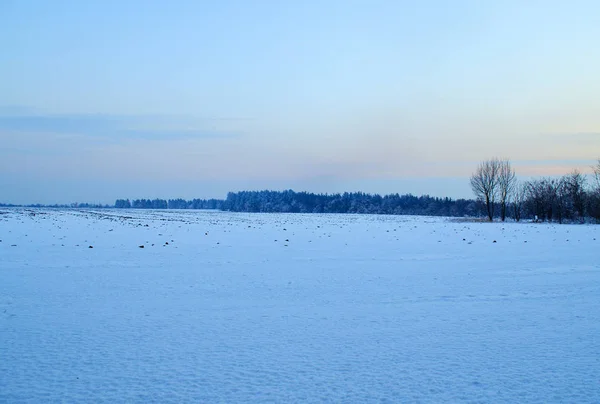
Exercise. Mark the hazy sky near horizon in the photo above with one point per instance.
(107, 99)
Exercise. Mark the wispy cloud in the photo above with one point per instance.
(114, 127)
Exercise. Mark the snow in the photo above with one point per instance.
(295, 308)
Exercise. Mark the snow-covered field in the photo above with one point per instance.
(223, 307)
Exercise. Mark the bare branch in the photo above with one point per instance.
(506, 182)
(484, 183)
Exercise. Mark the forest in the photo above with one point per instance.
(304, 202)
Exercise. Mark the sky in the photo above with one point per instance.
(142, 99)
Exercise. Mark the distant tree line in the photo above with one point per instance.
(169, 204)
(75, 205)
(305, 202)
(357, 202)
(568, 198)
(499, 194)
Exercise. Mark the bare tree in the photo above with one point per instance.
(594, 195)
(541, 198)
(535, 198)
(506, 183)
(575, 184)
(484, 183)
(562, 199)
(551, 187)
(519, 195)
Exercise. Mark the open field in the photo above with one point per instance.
(222, 307)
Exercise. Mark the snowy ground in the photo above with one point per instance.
(295, 308)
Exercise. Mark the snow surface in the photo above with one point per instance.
(295, 308)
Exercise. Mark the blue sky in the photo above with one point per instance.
(107, 99)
